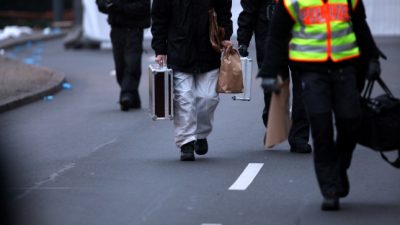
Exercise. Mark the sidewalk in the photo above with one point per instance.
(21, 83)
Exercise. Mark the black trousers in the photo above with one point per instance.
(127, 51)
(300, 131)
(328, 94)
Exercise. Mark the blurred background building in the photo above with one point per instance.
(90, 26)
(34, 13)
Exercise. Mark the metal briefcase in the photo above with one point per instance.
(247, 73)
(161, 92)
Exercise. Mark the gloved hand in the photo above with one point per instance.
(243, 51)
(270, 85)
(374, 69)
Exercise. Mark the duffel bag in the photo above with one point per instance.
(380, 121)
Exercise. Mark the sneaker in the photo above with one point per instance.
(301, 148)
(187, 151)
(201, 146)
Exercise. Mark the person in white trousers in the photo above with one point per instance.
(181, 41)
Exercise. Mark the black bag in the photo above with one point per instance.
(380, 125)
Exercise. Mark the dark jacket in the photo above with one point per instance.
(180, 30)
(253, 19)
(275, 60)
(127, 13)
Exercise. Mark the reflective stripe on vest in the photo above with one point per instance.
(322, 31)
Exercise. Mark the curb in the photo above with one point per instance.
(54, 84)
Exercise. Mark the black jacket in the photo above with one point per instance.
(276, 54)
(253, 19)
(127, 13)
(180, 30)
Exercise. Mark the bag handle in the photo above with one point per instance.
(370, 84)
(368, 90)
(384, 87)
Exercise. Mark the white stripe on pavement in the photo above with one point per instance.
(247, 176)
(211, 224)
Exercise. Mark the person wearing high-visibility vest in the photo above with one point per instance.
(255, 18)
(327, 38)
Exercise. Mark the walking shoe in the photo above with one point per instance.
(136, 104)
(345, 184)
(125, 103)
(201, 146)
(330, 204)
(187, 151)
(301, 148)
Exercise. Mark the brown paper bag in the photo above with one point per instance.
(230, 79)
(279, 122)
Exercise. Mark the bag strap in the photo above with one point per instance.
(368, 90)
(370, 85)
(385, 87)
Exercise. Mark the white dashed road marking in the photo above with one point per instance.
(247, 176)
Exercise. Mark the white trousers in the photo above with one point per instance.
(195, 101)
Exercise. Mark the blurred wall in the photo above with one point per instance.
(383, 16)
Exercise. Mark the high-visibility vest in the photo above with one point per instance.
(322, 31)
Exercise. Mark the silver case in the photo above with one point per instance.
(161, 93)
(247, 65)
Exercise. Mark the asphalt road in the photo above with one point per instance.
(78, 159)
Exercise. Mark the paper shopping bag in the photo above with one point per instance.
(279, 122)
(230, 79)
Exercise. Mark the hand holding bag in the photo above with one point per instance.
(230, 79)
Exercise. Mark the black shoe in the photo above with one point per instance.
(125, 103)
(187, 151)
(330, 204)
(136, 104)
(345, 184)
(201, 146)
(301, 148)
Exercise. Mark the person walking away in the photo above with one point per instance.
(127, 19)
(326, 40)
(255, 18)
(180, 31)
